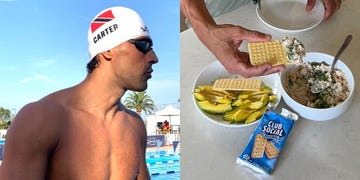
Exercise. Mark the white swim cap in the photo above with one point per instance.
(112, 27)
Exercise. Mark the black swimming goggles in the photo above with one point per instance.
(143, 45)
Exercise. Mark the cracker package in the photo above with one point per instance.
(265, 144)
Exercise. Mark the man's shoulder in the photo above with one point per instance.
(129, 112)
(131, 115)
(36, 127)
(45, 110)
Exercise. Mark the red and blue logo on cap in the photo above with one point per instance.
(101, 20)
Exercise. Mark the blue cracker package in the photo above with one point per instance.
(265, 144)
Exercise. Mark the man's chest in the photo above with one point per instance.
(99, 150)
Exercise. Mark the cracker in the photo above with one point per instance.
(259, 146)
(267, 52)
(236, 84)
(270, 150)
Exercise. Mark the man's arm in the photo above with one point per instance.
(143, 172)
(224, 40)
(29, 142)
(198, 14)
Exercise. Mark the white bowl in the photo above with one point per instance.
(215, 71)
(314, 113)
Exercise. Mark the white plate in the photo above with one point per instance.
(214, 71)
(290, 15)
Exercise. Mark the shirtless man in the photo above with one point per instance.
(84, 132)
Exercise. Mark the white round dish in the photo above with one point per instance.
(314, 113)
(215, 71)
(290, 15)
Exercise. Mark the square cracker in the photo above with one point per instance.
(259, 146)
(270, 150)
(267, 52)
(237, 84)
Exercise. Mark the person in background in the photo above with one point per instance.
(166, 126)
(224, 40)
(84, 132)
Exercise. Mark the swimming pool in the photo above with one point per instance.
(2, 146)
(163, 164)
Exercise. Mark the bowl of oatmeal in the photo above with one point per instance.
(315, 93)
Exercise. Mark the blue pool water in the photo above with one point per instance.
(2, 146)
(174, 176)
(163, 164)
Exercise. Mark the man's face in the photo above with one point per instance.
(132, 67)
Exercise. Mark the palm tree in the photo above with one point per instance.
(5, 118)
(140, 101)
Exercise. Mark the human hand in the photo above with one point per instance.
(224, 42)
(330, 6)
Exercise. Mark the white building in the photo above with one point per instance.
(155, 122)
(2, 133)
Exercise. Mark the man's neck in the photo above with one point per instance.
(99, 97)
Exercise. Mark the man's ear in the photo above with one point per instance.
(107, 55)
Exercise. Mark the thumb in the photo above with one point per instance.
(255, 36)
(310, 5)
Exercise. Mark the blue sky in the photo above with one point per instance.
(43, 46)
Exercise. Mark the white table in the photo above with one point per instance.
(314, 150)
